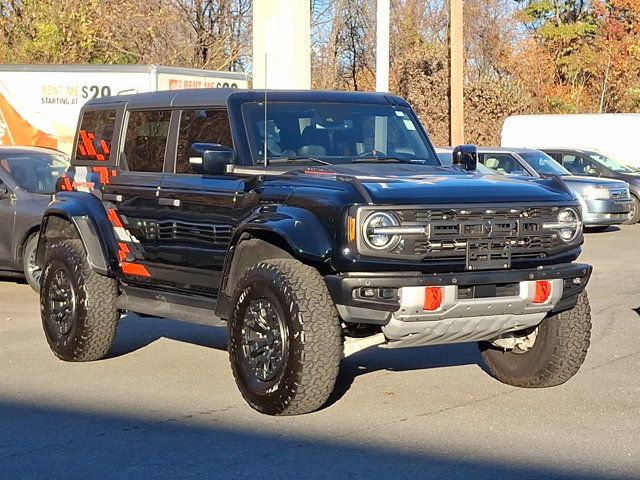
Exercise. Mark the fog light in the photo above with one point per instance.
(368, 292)
(433, 297)
(542, 291)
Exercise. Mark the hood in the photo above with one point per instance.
(580, 181)
(633, 178)
(396, 183)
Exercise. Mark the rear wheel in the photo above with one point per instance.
(285, 341)
(547, 356)
(32, 272)
(77, 305)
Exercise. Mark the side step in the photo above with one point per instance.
(169, 305)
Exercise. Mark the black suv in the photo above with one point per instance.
(312, 224)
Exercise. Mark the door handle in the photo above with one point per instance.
(112, 197)
(169, 202)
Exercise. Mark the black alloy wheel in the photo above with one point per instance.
(264, 340)
(62, 300)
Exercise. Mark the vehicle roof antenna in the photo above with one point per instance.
(266, 157)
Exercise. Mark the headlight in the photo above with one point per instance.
(374, 231)
(596, 193)
(569, 225)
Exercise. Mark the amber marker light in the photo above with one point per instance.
(352, 228)
(542, 291)
(433, 297)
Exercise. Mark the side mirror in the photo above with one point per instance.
(466, 156)
(211, 158)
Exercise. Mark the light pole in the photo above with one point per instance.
(456, 72)
(382, 46)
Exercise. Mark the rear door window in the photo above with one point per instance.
(146, 140)
(95, 136)
(201, 126)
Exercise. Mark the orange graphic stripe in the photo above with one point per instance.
(135, 269)
(113, 216)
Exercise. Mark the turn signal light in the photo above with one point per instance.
(542, 292)
(433, 297)
(352, 228)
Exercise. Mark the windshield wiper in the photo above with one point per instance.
(300, 159)
(384, 160)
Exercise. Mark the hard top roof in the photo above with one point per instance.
(6, 150)
(494, 149)
(219, 96)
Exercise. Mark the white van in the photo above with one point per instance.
(613, 134)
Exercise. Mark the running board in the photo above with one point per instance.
(169, 305)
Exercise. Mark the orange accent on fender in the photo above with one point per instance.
(122, 251)
(135, 269)
(113, 216)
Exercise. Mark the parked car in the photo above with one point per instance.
(311, 225)
(604, 201)
(27, 181)
(594, 164)
(612, 134)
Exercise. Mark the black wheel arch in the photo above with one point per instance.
(252, 245)
(80, 215)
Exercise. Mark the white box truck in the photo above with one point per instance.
(613, 134)
(39, 104)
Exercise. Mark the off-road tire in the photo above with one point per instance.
(313, 337)
(28, 252)
(557, 354)
(94, 320)
(635, 218)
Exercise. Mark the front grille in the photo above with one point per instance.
(618, 193)
(449, 230)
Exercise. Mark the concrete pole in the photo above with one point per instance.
(382, 46)
(282, 44)
(456, 72)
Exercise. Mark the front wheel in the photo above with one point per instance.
(634, 214)
(554, 351)
(285, 341)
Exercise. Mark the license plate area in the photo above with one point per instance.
(488, 254)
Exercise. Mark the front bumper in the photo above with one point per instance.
(484, 314)
(606, 212)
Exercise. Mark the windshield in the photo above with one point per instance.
(610, 163)
(335, 133)
(544, 164)
(36, 172)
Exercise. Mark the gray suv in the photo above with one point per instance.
(604, 201)
(27, 180)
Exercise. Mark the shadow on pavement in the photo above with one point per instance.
(48, 442)
(14, 277)
(597, 230)
(401, 360)
(136, 332)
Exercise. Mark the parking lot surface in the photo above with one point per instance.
(164, 404)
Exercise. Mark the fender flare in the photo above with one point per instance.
(88, 216)
(305, 236)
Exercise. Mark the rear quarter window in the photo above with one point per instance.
(95, 136)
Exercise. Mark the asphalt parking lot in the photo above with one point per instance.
(164, 405)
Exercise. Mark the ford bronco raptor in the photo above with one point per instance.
(311, 224)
